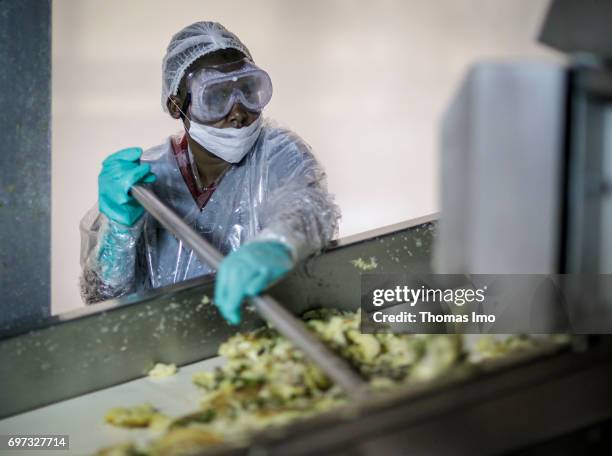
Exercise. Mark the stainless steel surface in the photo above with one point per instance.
(82, 417)
(425, 221)
(579, 27)
(588, 192)
(502, 155)
(589, 172)
(275, 314)
(25, 161)
(518, 401)
(119, 340)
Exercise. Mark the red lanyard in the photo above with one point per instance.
(200, 194)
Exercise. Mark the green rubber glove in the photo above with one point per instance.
(247, 272)
(120, 171)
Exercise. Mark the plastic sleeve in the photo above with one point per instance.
(298, 212)
(108, 257)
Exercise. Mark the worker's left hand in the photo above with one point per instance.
(247, 272)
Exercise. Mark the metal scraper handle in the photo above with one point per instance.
(275, 314)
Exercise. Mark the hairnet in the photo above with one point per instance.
(189, 44)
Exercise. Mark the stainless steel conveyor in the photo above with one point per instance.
(77, 361)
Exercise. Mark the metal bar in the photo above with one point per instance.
(384, 230)
(120, 340)
(289, 326)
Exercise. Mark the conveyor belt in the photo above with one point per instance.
(502, 402)
(85, 358)
(82, 418)
(117, 341)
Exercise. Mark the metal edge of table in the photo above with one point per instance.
(117, 341)
(18, 327)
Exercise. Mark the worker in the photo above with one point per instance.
(250, 187)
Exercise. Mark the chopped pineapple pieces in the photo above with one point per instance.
(137, 416)
(266, 382)
(144, 415)
(161, 370)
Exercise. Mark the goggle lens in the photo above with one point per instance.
(214, 93)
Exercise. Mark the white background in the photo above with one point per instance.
(364, 82)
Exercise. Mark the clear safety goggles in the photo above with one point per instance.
(214, 90)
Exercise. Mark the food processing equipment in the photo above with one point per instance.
(63, 373)
(518, 401)
(273, 312)
(526, 153)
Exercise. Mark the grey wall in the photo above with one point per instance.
(25, 158)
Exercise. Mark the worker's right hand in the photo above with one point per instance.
(120, 171)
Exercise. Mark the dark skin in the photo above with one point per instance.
(209, 166)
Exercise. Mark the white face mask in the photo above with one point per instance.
(229, 144)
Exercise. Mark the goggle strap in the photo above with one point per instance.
(187, 99)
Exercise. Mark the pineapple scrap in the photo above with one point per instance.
(139, 416)
(365, 266)
(267, 382)
(161, 370)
